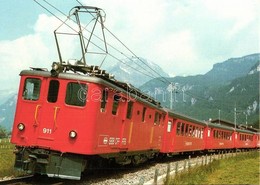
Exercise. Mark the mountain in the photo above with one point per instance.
(7, 111)
(6, 94)
(231, 84)
(134, 71)
(232, 68)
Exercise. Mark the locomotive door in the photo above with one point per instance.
(46, 115)
(28, 106)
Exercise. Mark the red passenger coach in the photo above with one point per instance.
(219, 137)
(245, 139)
(183, 134)
(257, 140)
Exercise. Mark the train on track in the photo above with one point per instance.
(76, 117)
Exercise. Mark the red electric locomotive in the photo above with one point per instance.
(63, 124)
(77, 117)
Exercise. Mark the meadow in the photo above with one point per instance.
(7, 158)
(240, 169)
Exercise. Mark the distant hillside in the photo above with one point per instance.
(232, 68)
(7, 111)
(134, 71)
(232, 83)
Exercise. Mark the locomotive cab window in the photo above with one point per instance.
(53, 91)
(76, 94)
(31, 89)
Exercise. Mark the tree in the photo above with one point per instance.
(3, 132)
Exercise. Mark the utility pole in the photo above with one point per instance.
(219, 116)
(183, 96)
(235, 117)
(171, 91)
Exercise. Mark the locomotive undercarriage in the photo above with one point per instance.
(50, 163)
(70, 166)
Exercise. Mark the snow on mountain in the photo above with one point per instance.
(136, 71)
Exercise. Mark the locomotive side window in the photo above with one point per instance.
(129, 110)
(143, 115)
(76, 94)
(104, 100)
(53, 91)
(115, 104)
(157, 118)
(31, 89)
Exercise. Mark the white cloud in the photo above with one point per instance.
(34, 50)
(184, 37)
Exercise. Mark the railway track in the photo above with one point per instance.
(142, 174)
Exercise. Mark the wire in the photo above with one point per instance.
(165, 80)
(63, 22)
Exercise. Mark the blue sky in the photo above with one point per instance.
(183, 37)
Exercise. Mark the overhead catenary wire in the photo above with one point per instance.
(165, 80)
(110, 44)
(119, 60)
(160, 78)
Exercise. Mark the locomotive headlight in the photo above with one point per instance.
(21, 126)
(73, 134)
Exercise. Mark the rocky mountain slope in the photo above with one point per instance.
(136, 71)
(231, 84)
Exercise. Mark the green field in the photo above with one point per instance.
(241, 169)
(6, 159)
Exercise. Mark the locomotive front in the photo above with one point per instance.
(53, 124)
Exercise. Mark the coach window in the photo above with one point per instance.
(194, 131)
(31, 89)
(178, 129)
(187, 129)
(115, 104)
(143, 115)
(182, 128)
(169, 126)
(76, 94)
(53, 91)
(104, 100)
(129, 109)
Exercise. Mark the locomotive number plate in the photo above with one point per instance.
(47, 130)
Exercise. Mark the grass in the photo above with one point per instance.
(241, 169)
(6, 159)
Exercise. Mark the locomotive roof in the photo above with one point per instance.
(117, 85)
